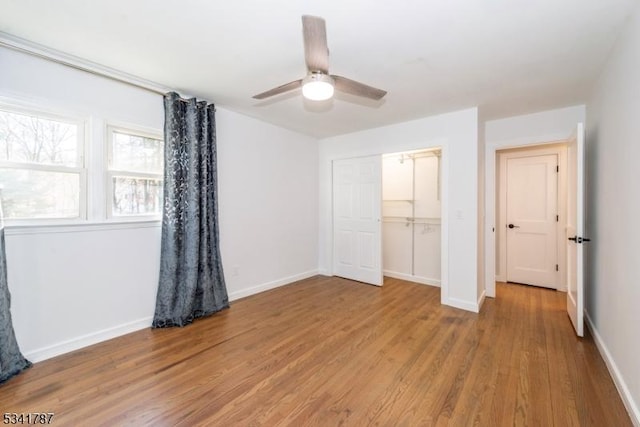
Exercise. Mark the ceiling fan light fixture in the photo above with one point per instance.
(317, 87)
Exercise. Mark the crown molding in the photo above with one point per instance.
(34, 49)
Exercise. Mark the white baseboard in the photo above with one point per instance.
(270, 285)
(461, 304)
(410, 278)
(48, 352)
(483, 295)
(623, 390)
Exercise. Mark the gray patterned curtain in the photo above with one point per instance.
(12, 362)
(191, 277)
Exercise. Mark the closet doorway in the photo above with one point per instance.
(411, 216)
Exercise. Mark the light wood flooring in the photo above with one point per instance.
(328, 352)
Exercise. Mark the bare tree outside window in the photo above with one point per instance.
(136, 196)
(40, 168)
(136, 165)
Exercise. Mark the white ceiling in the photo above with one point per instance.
(508, 57)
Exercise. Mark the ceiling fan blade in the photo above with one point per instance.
(316, 52)
(353, 87)
(280, 89)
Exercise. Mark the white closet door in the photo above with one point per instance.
(357, 227)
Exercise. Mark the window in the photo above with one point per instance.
(42, 174)
(134, 176)
(49, 176)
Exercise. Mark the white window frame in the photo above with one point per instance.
(110, 173)
(80, 170)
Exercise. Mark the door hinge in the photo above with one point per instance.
(557, 168)
(557, 269)
(557, 218)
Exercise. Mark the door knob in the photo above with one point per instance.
(513, 226)
(579, 239)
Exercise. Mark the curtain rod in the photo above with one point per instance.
(24, 46)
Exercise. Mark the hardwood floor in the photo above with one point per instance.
(328, 352)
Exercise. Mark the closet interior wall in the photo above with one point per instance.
(411, 216)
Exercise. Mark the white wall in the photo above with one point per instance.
(268, 184)
(545, 126)
(531, 129)
(76, 285)
(613, 209)
(457, 134)
(74, 288)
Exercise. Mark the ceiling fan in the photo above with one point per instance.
(319, 85)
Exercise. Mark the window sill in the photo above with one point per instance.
(80, 227)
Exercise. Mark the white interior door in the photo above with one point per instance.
(575, 229)
(532, 209)
(357, 229)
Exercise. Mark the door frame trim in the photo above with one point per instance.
(559, 150)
